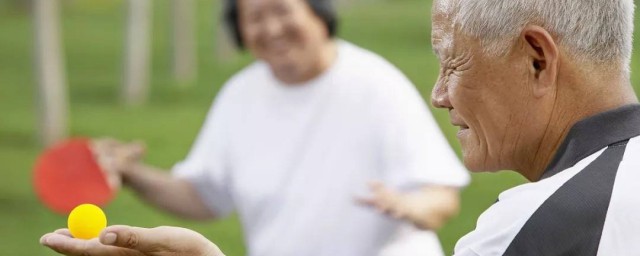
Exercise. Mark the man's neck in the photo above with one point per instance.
(575, 101)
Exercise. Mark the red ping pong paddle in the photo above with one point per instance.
(67, 175)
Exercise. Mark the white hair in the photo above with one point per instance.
(590, 30)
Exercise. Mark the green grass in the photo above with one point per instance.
(398, 30)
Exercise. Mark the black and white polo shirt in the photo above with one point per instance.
(587, 203)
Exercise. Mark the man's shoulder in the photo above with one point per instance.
(585, 204)
(627, 178)
(595, 199)
(632, 150)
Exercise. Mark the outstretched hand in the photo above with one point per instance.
(116, 158)
(427, 208)
(386, 200)
(133, 241)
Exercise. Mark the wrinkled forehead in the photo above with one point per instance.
(442, 25)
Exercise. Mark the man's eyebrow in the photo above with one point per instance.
(435, 42)
(435, 51)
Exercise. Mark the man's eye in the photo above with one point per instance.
(447, 71)
(451, 66)
(253, 19)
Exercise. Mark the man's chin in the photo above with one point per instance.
(476, 163)
(463, 133)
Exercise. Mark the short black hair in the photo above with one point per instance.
(323, 8)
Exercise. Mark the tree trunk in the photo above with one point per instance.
(50, 69)
(138, 47)
(185, 60)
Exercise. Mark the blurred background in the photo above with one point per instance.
(168, 116)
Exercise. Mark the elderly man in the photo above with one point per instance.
(542, 88)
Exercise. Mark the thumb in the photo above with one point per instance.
(141, 239)
(162, 240)
(138, 148)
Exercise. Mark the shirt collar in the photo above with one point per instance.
(594, 133)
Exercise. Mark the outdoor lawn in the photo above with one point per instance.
(93, 33)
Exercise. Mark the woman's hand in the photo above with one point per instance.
(429, 207)
(116, 158)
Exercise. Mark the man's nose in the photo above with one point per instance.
(440, 96)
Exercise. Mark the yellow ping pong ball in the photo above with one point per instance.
(86, 221)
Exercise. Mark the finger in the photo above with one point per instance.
(381, 191)
(378, 189)
(377, 201)
(368, 198)
(103, 143)
(387, 200)
(124, 154)
(159, 241)
(137, 147)
(67, 245)
(384, 207)
(63, 231)
(397, 214)
(95, 146)
(132, 237)
(365, 201)
(385, 194)
(103, 152)
(372, 201)
(109, 146)
(71, 246)
(44, 237)
(130, 153)
(140, 146)
(379, 206)
(375, 185)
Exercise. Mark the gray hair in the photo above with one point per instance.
(590, 30)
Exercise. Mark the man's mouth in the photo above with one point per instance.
(462, 125)
(457, 121)
(464, 130)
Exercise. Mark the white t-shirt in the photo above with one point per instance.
(290, 160)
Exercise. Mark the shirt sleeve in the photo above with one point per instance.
(414, 149)
(206, 166)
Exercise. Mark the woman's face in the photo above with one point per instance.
(286, 34)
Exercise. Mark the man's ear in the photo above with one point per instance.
(543, 57)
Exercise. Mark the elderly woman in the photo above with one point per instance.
(317, 146)
(542, 88)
